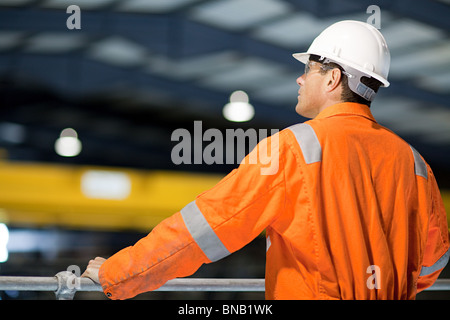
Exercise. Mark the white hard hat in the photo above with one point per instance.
(355, 46)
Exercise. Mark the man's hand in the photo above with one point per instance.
(93, 268)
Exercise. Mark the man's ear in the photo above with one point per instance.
(334, 79)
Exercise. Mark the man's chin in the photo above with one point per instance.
(298, 109)
(301, 111)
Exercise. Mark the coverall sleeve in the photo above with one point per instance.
(437, 252)
(217, 223)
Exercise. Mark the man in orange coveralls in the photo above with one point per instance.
(353, 211)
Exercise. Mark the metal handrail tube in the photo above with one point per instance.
(61, 284)
(183, 284)
(199, 284)
(440, 285)
(65, 285)
(29, 283)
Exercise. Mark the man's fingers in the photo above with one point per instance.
(93, 269)
(98, 261)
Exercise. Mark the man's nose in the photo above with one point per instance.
(301, 80)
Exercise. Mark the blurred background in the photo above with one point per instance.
(89, 101)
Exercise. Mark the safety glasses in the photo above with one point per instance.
(309, 64)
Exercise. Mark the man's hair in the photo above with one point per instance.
(347, 94)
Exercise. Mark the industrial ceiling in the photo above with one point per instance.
(137, 70)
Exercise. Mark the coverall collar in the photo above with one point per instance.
(346, 108)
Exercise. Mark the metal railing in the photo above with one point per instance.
(65, 284)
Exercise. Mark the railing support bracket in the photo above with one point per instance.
(68, 283)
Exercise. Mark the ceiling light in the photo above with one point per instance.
(239, 14)
(12, 132)
(102, 184)
(158, 6)
(248, 74)
(238, 109)
(68, 145)
(4, 237)
(118, 51)
(10, 39)
(83, 4)
(50, 42)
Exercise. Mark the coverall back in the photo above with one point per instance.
(351, 211)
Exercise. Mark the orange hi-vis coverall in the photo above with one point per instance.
(351, 211)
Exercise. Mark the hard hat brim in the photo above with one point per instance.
(302, 57)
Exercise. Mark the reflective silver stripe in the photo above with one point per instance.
(441, 263)
(420, 167)
(308, 142)
(268, 243)
(202, 233)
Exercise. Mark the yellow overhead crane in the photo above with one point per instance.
(36, 194)
(86, 197)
